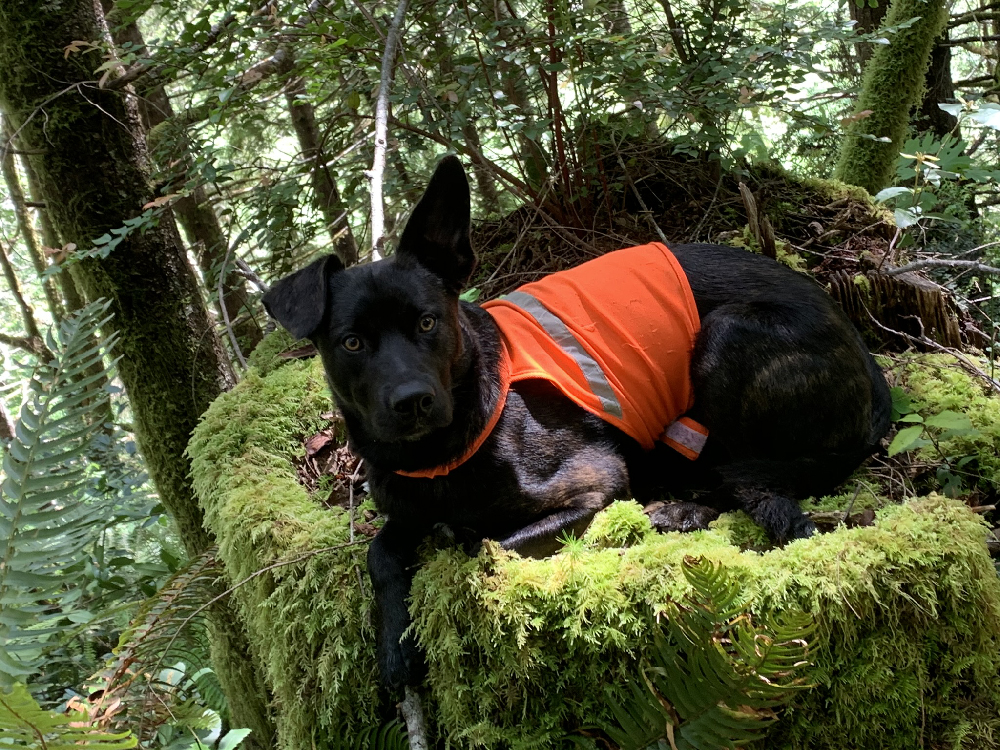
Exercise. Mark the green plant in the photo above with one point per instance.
(24, 724)
(715, 677)
(45, 521)
(933, 430)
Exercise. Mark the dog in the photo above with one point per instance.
(780, 398)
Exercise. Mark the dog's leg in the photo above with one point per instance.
(779, 515)
(540, 538)
(391, 560)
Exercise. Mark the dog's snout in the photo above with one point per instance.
(413, 399)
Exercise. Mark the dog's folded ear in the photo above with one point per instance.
(437, 233)
(298, 301)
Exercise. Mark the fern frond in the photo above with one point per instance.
(161, 671)
(45, 525)
(24, 724)
(716, 677)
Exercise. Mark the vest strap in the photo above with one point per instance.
(686, 436)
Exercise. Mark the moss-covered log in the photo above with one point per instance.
(87, 155)
(892, 86)
(522, 652)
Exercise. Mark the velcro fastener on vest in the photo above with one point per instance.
(686, 436)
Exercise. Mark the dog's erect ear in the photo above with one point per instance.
(298, 301)
(437, 234)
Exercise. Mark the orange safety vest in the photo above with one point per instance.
(615, 335)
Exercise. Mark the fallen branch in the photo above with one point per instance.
(924, 340)
(375, 174)
(968, 265)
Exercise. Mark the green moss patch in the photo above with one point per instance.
(524, 652)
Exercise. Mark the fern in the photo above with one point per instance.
(390, 736)
(45, 525)
(716, 678)
(24, 724)
(160, 674)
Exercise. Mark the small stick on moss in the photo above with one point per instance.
(968, 265)
(850, 505)
(925, 341)
(413, 714)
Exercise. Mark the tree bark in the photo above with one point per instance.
(938, 87)
(87, 153)
(50, 237)
(194, 213)
(14, 285)
(891, 88)
(324, 181)
(867, 19)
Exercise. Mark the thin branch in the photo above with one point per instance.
(141, 70)
(375, 175)
(635, 192)
(248, 273)
(970, 40)
(968, 265)
(28, 344)
(413, 713)
(225, 312)
(15, 288)
(924, 340)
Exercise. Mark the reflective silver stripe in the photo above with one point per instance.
(690, 439)
(571, 345)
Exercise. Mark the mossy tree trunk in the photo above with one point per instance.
(91, 167)
(194, 213)
(892, 86)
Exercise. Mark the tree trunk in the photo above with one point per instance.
(195, 215)
(324, 181)
(891, 88)
(24, 225)
(939, 87)
(50, 238)
(92, 170)
(867, 19)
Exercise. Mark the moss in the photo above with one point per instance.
(937, 383)
(265, 356)
(520, 651)
(892, 85)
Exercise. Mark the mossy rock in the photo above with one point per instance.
(523, 652)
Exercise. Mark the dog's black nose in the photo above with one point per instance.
(413, 399)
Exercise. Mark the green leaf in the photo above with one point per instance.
(911, 418)
(906, 439)
(232, 738)
(949, 420)
(23, 723)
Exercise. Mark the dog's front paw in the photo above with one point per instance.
(801, 528)
(681, 516)
(401, 663)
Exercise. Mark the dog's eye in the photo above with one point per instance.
(352, 343)
(427, 323)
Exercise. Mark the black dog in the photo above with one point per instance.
(789, 394)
